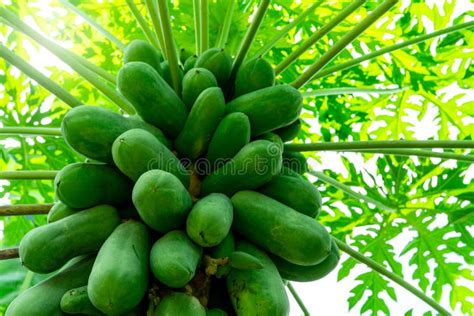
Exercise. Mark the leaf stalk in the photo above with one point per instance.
(25, 209)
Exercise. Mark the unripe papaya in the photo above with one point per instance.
(139, 50)
(258, 291)
(76, 301)
(161, 200)
(218, 61)
(254, 75)
(280, 229)
(190, 63)
(43, 299)
(202, 121)
(231, 135)
(60, 211)
(210, 220)
(269, 108)
(224, 250)
(91, 131)
(184, 54)
(137, 151)
(174, 259)
(181, 304)
(244, 261)
(82, 185)
(167, 73)
(295, 161)
(294, 272)
(295, 192)
(119, 278)
(196, 81)
(47, 248)
(272, 137)
(215, 312)
(154, 100)
(289, 132)
(253, 166)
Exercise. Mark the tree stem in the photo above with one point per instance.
(40, 131)
(298, 299)
(419, 153)
(204, 25)
(249, 37)
(169, 44)
(383, 271)
(224, 33)
(342, 43)
(94, 24)
(197, 25)
(155, 19)
(11, 253)
(381, 144)
(350, 90)
(388, 49)
(37, 76)
(321, 176)
(143, 24)
(318, 35)
(28, 175)
(25, 209)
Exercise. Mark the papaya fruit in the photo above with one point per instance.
(295, 161)
(253, 166)
(161, 200)
(217, 61)
(223, 250)
(253, 75)
(119, 279)
(139, 50)
(210, 220)
(174, 259)
(189, 63)
(257, 291)
(244, 261)
(184, 54)
(272, 137)
(280, 229)
(47, 248)
(215, 312)
(43, 299)
(196, 81)
(83, 185)
(181, 304)
(269, 108)
(231, 135)
(153, 99)
(91, 131)
(167, 73)
(295, 192)
(202, 121)
(294, 272)
(136, 151)
(76, 301)
(289, 132)
(60, 211)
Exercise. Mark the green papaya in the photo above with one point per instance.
(218, 61)
(210, 220)
(190, 63)
(224, 250)
(119, 278)
(289, 132)
(43, 299)
(253, 166)
(244, 261)
(295, 192)
(202, 121)
(47, 248)
(76, 301)
(280, 229)
(167, 73)
(294, 272)
(174, 259)
(153, 99)
(295, 161)
(139, 50)
(91, 131)
(215, 312)
(269, 108)
(196, 81)
(257, 291)
(184, 54)
(83, 185)
(136, 151)
(161, 200)
(272, 137)
(231, 135)
(60, 211)
(181, 304)
(254, 75)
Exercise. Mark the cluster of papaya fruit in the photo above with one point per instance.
(190, 207)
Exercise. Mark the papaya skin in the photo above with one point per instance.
(254, 75)
(218, 61)
(60, 211)
(139, 50)
(289, 132)
(76, 301)
(196, 81)
(181, 304)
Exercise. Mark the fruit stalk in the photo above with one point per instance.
(390, 275)
(28, 175)
(24, 209)
(11, 253)
(39, 131)
(143, 24)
